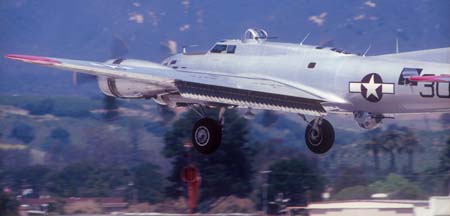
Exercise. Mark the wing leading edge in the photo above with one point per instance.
(254, 92)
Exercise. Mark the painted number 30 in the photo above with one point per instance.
(435, 91)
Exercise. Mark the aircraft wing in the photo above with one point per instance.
(259, 93)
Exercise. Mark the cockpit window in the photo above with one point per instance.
(219, 48)
(231, 48)
(337, 50)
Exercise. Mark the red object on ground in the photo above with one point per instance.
(191, 176)
(33, 59)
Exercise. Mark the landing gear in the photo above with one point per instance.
(319, 136)
(207, 134)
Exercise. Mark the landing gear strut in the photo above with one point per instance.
(207, 134)
(319, 135)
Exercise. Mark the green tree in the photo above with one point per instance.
(86, 179)
(31, 176)
(227, 172)
(40, 107)
(58, 144)
(445, 120)
(23, 132)
(166, 113)
(8, 205)
(106, 149)
(148, 182)
(409, 146)
(348, 177)
(71, 180)
(110, 104)
(353, 193)
(296, 179)
(61, 135)
(397, 187)
(374, 147)
(268, 118)
(444, 160)
(72, 107)
(444, 166)
(392, 138)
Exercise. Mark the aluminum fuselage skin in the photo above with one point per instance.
(333, 73)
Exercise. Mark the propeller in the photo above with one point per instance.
(118, 50)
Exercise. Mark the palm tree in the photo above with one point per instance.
(373, 146)
(409, 146)
(391, 139)
(444, 166)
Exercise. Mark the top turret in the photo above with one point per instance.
(254, 35)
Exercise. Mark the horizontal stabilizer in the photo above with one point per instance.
(441, 78)
(440, 55)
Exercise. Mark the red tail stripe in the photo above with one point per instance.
(428, 78)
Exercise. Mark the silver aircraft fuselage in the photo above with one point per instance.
(329, 70)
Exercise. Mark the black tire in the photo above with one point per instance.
(321, 142)
(206, 135)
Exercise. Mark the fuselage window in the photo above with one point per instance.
(312, 65)
(173, 62)
(219, 48)
(231, 48)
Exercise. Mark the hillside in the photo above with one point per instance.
(141, 122)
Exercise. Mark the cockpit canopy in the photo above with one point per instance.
(255, 35)
(223, 48)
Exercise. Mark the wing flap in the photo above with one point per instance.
(247, 98)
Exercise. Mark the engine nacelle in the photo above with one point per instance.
(368, 120)
(130, 89)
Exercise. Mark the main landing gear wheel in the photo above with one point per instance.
(319, 136)
(206, 135)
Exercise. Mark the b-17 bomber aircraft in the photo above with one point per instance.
(256, 73)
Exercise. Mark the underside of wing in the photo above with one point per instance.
(259, 93)
(440, 55)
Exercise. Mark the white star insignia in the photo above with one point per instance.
(368, 87)
(371, 87)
